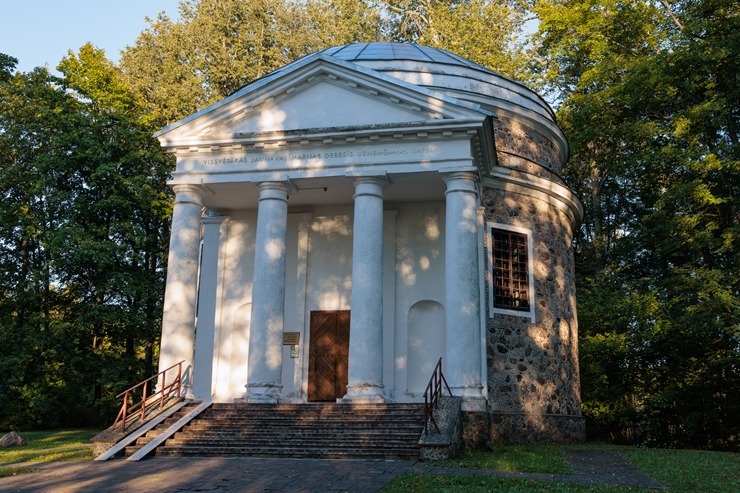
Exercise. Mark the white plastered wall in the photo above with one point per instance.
(231, 350)
(319, 277)
(420, 254)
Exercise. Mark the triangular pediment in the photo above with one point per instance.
(322, 104)
(314, 95)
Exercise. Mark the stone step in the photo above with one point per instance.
(300, 433)
(157, 430)
(308, 420)
(247, 410)
(292, 421)
(304, 452)
(299, 430)
(290, 444)
(312, 416)
(293, 439)
(338, 427)
(317, 405)
(312, 419)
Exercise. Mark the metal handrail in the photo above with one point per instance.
(166, 391)
(432, 394)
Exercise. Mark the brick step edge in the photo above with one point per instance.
(288, 433)
(290, 444)
(313, 417)
(297, 453)
(257, 426)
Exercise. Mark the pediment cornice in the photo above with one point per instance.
(321, 95)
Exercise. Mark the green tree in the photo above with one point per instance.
(648, 98)
(219, 46)
(33, 123)
(7, 65)
(82, 242)
(157, 69)
(340, 22)
(119, 227)
(485, 31)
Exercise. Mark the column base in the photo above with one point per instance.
(364, 393)
(263, 393)
(473, 399)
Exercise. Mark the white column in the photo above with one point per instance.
(365, 379)
(178, 320)
(462, 364)
(214, 232)
(268, 295)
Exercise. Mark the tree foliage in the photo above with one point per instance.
(218, 46)
(648, 96)
(489, 32)
(84, 220)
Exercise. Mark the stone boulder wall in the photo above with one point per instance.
(533, 375)
(520, 147)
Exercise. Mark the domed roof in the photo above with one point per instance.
(437, 70)
(400, 51)
(446, 72)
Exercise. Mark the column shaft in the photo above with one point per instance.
(178, 320)
(214, 232)
(268, 295)
(365, 379)
(462, 365)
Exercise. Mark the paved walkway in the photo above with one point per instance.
(222, 474)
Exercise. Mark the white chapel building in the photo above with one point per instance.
(342, 223)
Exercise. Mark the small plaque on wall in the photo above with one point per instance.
(291, 338)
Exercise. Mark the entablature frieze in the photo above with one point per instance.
(312, 154)
(263, 141)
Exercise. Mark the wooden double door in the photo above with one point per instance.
(328, 355)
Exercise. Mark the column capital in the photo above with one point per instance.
(186, 193)
(274, 190)
(370, 185)
(468, 177)
(381, 180)
(461, 182)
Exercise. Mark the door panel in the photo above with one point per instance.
(328, 355)
(342, 354)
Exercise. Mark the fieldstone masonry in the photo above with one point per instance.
(533, 376)
(525, 149)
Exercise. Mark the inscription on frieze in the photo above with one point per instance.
(337, 156)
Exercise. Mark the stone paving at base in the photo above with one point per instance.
(227, 474)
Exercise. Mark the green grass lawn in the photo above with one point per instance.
(546, 459)
(681, 471)
(689, 470)
(46, 446)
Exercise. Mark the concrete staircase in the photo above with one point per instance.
(159, 429)
(317, 430)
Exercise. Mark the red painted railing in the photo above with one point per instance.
(433, 393)
(165, 391)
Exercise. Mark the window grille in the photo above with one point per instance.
(510, 270)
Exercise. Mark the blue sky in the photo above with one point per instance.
(40, 32)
